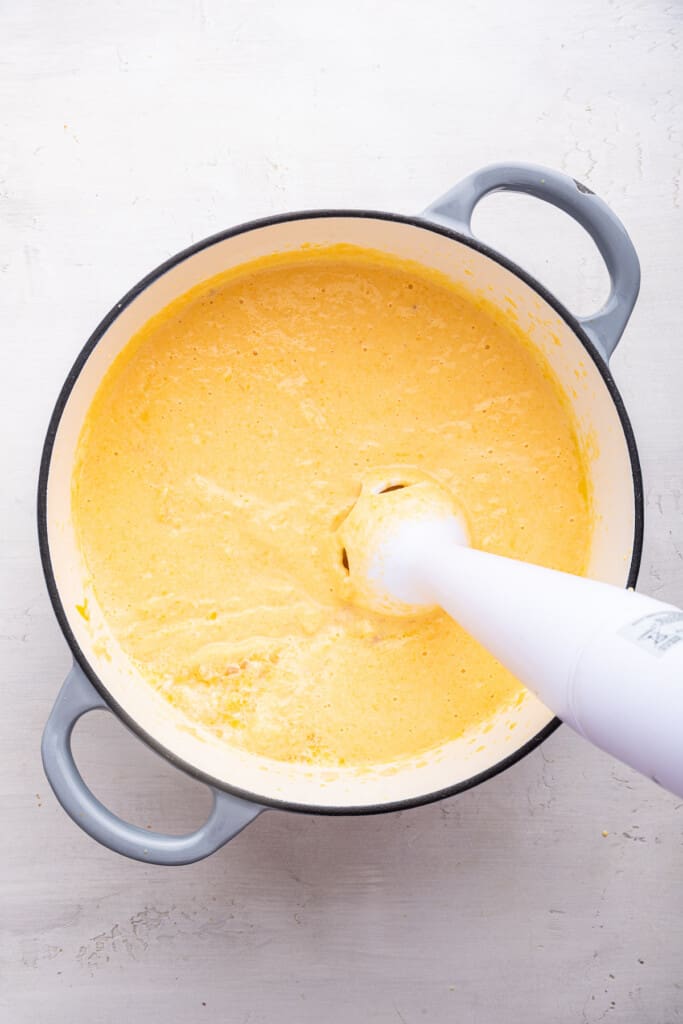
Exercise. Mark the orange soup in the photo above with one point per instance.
(233, 434)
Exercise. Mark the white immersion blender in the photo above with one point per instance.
(607, 661)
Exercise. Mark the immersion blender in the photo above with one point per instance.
(607, 661)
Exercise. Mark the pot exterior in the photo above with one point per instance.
(603, 429)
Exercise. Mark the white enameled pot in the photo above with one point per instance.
(577, 350)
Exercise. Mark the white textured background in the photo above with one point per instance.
(126, 131)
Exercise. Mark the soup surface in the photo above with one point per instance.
(233, 434)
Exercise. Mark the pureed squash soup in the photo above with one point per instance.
(231, 437)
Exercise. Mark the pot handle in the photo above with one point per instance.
(229, 814)
(604, 328)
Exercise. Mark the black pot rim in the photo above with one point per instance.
(62, 618)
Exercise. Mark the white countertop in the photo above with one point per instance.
(129, 130)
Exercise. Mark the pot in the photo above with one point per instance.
(578, 351)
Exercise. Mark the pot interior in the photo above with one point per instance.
(600, 430)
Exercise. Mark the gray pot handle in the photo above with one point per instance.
(229, 814)
(455, 208)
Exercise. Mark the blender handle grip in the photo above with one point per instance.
(454, 210)
(229, 814)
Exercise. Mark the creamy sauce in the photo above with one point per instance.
(232, 435)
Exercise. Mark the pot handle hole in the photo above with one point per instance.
(454, 210)
(229, 814)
